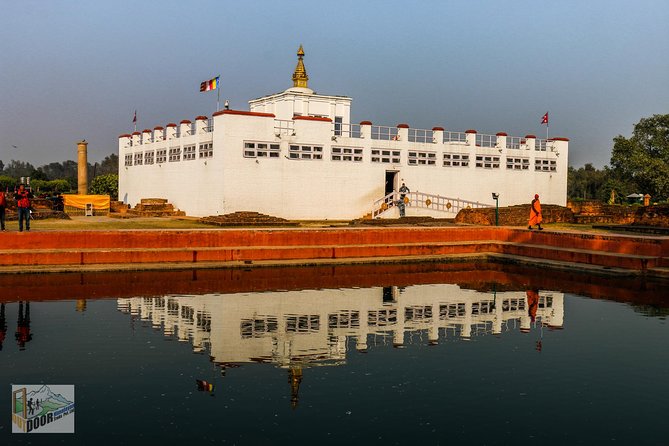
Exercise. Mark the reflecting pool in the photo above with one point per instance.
(385, 354)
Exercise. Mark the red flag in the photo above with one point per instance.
(134, 118)
(544, 120)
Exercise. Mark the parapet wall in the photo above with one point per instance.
(514, 215)
(588, 212)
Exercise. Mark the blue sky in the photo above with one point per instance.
(78, 69)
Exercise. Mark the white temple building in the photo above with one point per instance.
(296, 155)
(310, 327)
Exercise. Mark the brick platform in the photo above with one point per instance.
(153, 249)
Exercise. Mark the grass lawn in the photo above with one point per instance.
(106, 223)
(78, 223)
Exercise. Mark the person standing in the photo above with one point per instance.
(23, 197)
(3, 325)
(535, 214)
(3, 207)
(404, 190)
(23, 334)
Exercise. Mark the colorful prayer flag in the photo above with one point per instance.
(544, 120)
(209, 85)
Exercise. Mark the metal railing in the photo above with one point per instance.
(347, 130)
(284, 127)
(514, 142)
(421, 135)
(455, 137)
(486, 140)
(423, 200)
(385, 133)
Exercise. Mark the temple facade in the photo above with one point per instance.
(297, 155)
(312, 326)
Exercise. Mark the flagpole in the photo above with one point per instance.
(218, 93)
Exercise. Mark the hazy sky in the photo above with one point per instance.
(71, 70)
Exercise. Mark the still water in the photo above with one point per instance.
(414, 354)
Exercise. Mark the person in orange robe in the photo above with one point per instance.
(532, 303)
(535, 213)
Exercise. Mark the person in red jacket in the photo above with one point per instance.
(3, 206)
(23, 197)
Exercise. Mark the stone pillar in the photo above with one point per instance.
(82, 169)
(501, 140)
(402, 132)
(470, 135)
(437, 135)
(147, 136)
(136, 139)
(185, 128)
(201, 125)
(366, 129)
(171, 131)
(530, 142)
(158, 134)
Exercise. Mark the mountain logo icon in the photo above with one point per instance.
(43, 408)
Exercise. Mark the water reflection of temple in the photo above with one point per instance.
(312, 327)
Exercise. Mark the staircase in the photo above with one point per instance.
(424, 200)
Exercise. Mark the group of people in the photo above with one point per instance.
(23, 197)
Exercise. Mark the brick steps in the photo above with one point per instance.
(232, 253)
(335, 245)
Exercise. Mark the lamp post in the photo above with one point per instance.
(495, 196)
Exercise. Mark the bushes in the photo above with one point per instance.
(105, 185)
(50, 186)
(7, 183)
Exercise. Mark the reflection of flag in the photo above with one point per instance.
(204, 386)
(211, 84)
(544, 120)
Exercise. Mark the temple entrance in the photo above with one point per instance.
(391, 181)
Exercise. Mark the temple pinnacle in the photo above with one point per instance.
(300, 78)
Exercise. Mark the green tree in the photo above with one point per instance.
(108, 165)
(587, 183)
(643, 159)
(105, 185)
(18, 169)
(7, 183)
(50, 186)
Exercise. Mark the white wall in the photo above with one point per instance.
(324, 189)
(296, 102)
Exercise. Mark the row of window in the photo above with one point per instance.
(349, 154)
(415, 157)
(159, 156)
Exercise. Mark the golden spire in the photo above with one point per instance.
(300, 77)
